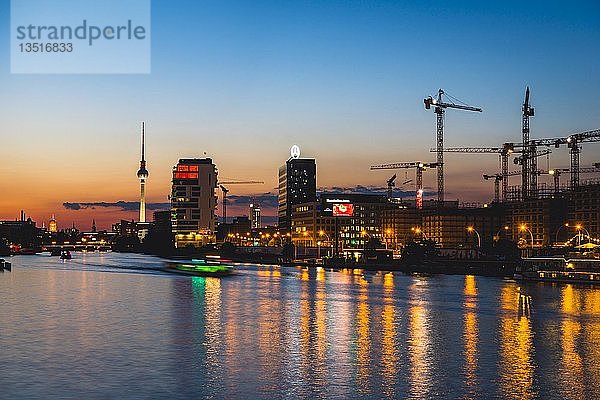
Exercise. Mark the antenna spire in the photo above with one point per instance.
(143, 137)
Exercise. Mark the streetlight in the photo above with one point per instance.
(558, 230)
(523, 228)
(471, 230)
(323, 233)
(307, 238)
(579, 228)
(497, 236)
(419, 231)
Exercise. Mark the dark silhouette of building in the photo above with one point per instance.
(297, 185)
(194, 202)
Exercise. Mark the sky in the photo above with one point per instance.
(242, 81)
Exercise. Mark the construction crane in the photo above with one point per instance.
(439, 109)
(573, 142)
(529, 163)
(391, 183)
(505, 152)
(225, 191)
(419, 167)
(497, 179)
(557, 172)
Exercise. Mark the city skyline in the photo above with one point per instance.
(259, 78)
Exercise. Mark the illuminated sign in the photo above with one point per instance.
(295, 151)
(185, 168)
(185, 175)
(343, 209)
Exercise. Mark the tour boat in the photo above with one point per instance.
(66, 255)
(560, 269)
(211, 266)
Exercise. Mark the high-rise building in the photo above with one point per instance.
(255, 219)
(143, 175)
(297, 185)
(52, 225)
(194, 201)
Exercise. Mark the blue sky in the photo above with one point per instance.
(244, 80)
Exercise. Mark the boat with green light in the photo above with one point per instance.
(200, 267)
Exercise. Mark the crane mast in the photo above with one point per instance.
(419, 167)
(439, 109)
(391, 183)
(505, 152)
(529, 164)
(225, 191)
(497, 179)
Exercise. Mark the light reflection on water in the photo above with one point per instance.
(470, 336)
(114, 326)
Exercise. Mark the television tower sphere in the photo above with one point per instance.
(143, 172)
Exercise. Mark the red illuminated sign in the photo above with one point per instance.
(343, 210)
(185, 175)
(185, 168)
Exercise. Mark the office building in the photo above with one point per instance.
(583, 210)
(535, 222)
(297, 185)
(358, 218)
(447, 226)
(255, 219)
(194, 202)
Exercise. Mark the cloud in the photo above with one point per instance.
(265, 200)
(361, 189)
(122, 205)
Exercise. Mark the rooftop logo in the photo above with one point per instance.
(80, 36)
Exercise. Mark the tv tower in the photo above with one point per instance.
(143, 175)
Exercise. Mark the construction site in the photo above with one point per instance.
(534, 214)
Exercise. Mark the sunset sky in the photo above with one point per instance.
(244, 80)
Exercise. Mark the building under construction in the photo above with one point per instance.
(533, 214)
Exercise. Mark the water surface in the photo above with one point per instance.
(107, 325)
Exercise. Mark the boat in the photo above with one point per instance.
(559, 269)
(5, 265)
(28, 252)
(65, 255)
(211, 266)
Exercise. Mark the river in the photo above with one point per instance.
(109, 325)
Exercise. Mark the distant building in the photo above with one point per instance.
(255, 218)
(541, 219)
(162, 221)
(23, 233)
(447, 226)
(240, 225)
(194, 202)
(398, 224)
(297, 185)
(125, 228)
(584, 209)
(52, 225)
(360, 221)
